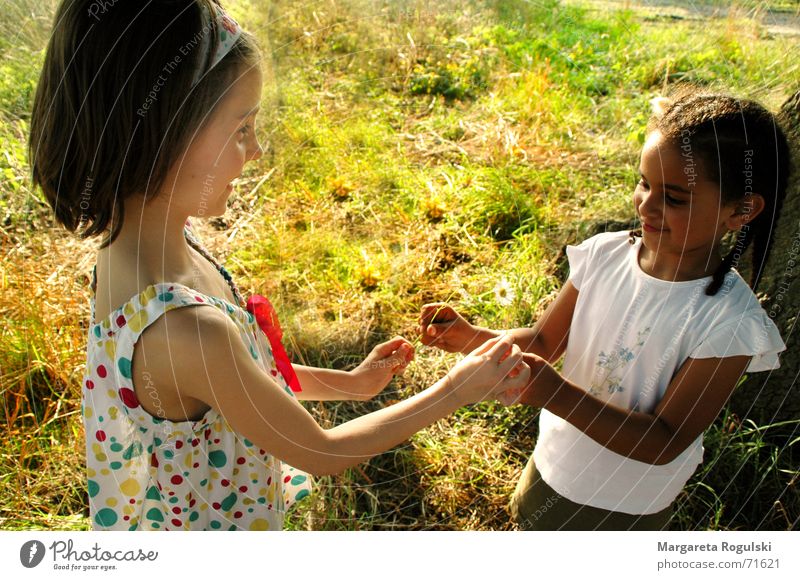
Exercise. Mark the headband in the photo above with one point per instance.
(228, 32)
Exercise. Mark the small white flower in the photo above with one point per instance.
(504, 293)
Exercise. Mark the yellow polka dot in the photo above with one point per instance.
(248, 501)
(138, 321)
(128, 510)
(106, 323)
(91, 472)
(262, 492)
(111, 393)
(236, 471)
(218, 427)
(204, 507)
(96, 448)
(271, 495)
(130, 487)
(147, 296)
(112, 412)
(105, 471)
(215, 475)
(101, 457)
(88, 412)
(111, 502)
(129, 309)
(111, 349)
(168, 468)
(259, 525)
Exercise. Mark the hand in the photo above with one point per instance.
(384, 362)
(443, 327)
(494, 367)
(542, 385)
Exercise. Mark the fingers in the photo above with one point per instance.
(386, 348)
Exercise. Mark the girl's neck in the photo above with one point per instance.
(153, 236)
(689, 265)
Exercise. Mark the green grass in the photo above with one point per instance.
(418, 152)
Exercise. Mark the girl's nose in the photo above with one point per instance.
(257, 152)
(648, 203)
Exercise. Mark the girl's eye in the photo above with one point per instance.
(673, 200)
(244, 131)
(643, 184)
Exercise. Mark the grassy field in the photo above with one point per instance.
(418, 151)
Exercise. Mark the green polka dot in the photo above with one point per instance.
(223, 36)
(154, 514)
(217, 459)
(169, 454)
(166, 296)
(116, 447)
(202, 483)
(301, 494)
(262, 500)
(106, 517)
(228, 502)
(253, 352)
(115, 465)
(173, 499)
(153, 493)
(194, 516)
(93, 488)
(298, 479)
(124, 365)
(247, 443)
(215, 524)
(97, 332)
(134, 450)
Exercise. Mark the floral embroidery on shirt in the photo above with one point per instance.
(611, 366)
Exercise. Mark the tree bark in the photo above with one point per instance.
(770, 397)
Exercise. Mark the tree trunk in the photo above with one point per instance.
(774, 396)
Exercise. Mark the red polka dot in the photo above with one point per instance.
(120, 320)
(216, 440)
(196, 465)
(216, 505)
(102, 372)
(132, 501)
(238, 514)
(269, 480)
(178, 444)
(192, 502)
(243, 489)
(176, 511)
(198, 299)
(154, 461)
(126, 518)
(129, 398)
(287, 479)
(195, 442)
(89, 385)
(101, 435)
(225, 483)
(176, 480)
(241, 460)
(177, 523)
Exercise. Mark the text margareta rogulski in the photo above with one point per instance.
(722, 547)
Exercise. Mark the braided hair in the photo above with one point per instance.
(740, 146)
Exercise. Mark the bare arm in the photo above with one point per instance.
(208, 362)
(443, 327)
(692, 401)
(363, 382)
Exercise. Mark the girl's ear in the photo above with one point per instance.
(745, 211)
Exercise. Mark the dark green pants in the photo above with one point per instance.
(537, 506)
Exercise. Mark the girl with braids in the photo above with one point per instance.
(656, 327)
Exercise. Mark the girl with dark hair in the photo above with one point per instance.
(655, 327)
(143, 117)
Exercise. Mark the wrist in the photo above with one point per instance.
(479, 336)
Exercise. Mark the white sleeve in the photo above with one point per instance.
(578, 257)
(751, 334)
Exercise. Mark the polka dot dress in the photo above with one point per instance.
(148, 473)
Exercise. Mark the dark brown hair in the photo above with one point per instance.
(115, 106)
(739, 145)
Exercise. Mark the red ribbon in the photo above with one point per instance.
(263, 311)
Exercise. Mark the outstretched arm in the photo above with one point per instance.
(210, 363)
(363, 382)
(692, 401)
(443, 327)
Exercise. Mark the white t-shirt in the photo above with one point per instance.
(630, 334)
